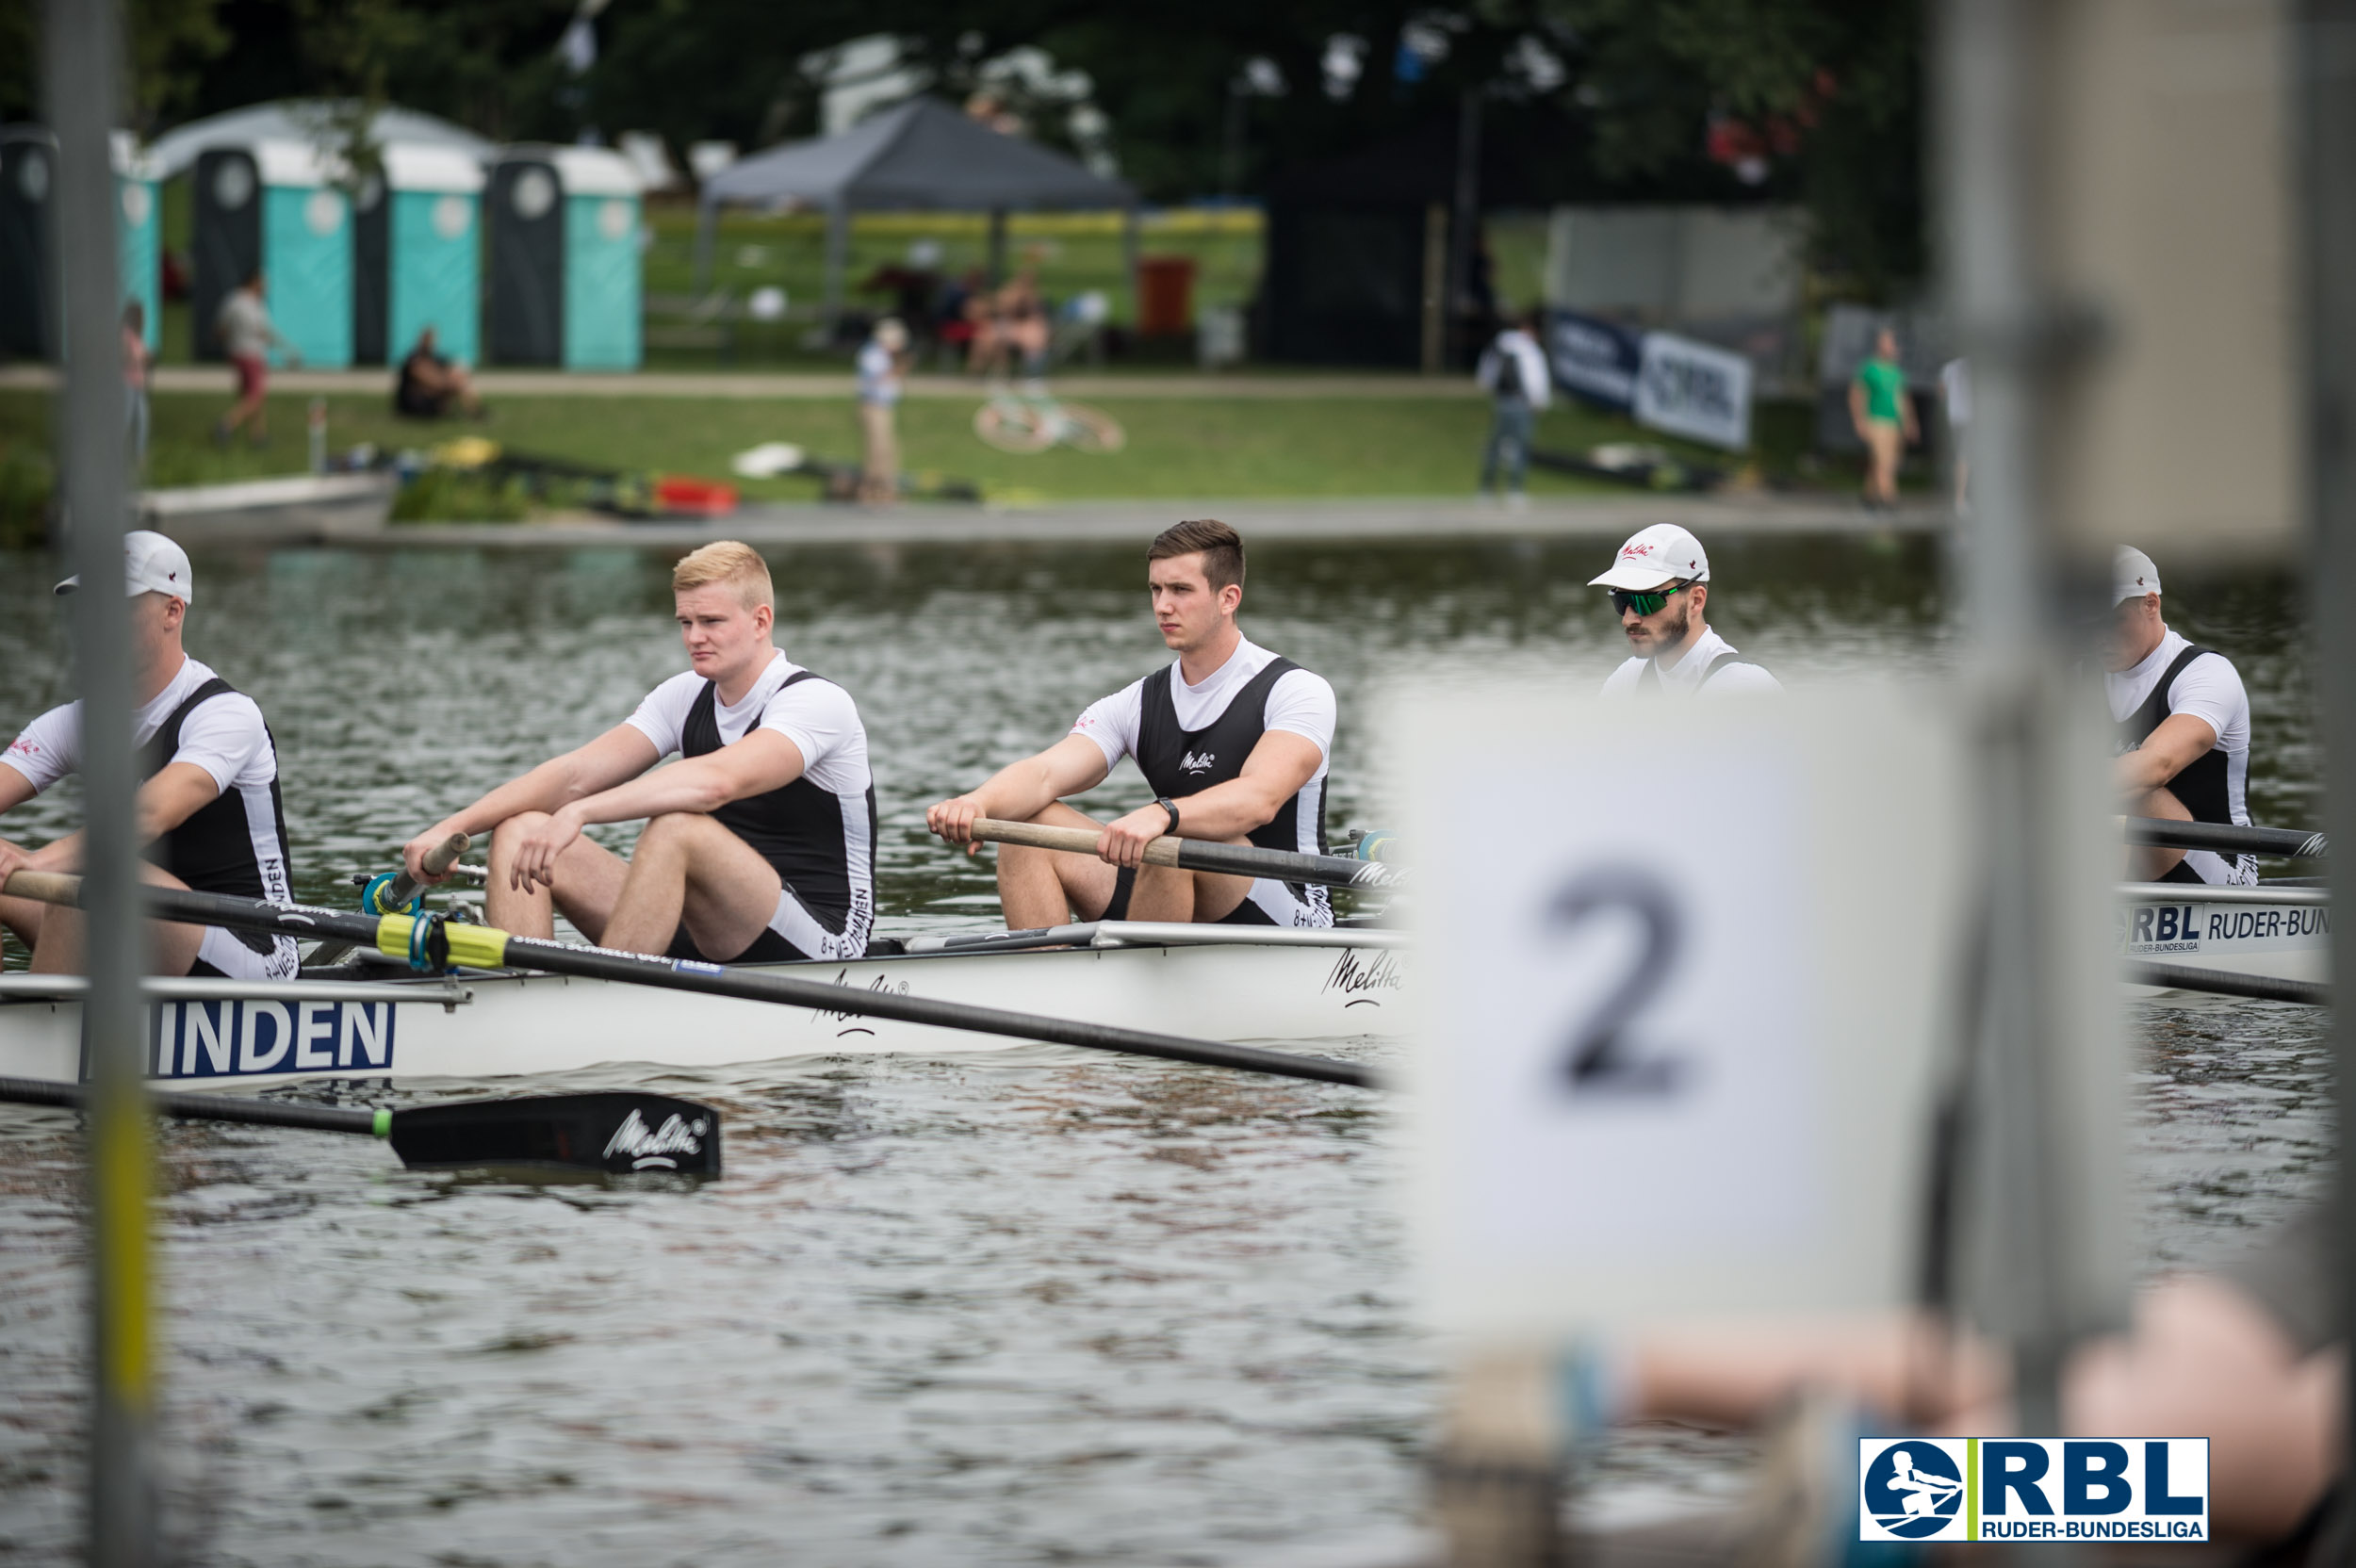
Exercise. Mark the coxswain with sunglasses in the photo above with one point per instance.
(1232, 740)
(2184, 729)
(1659, 586)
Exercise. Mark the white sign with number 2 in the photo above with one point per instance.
(1686, 963)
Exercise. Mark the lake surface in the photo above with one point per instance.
(1014, 1308)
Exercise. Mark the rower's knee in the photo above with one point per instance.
(506, 835)
(675, 829)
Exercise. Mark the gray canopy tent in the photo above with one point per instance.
(922, 155)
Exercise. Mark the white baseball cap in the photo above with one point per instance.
(150, 564)
(1661, 553)
(2133, 574)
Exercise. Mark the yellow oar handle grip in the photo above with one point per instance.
(1070, 840)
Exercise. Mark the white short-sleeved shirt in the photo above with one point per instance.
(878, 376)
(225, 736)
(1301, 703)
(2211, 690)
(1684, 677)
(818, 716)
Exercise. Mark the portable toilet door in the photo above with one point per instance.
(524, 212)
(138, 230)
(435, 251)
(371, 261)
(306, 252)
(603, 262)
(28, 177)
(226, 234)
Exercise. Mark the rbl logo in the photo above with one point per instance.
(2032, 1489)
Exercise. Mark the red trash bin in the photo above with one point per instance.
(1165, 296)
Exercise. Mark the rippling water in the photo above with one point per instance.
(1014, 1308)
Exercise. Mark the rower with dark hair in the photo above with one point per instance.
(2184, 729)
(208, 806)
(1233, 740)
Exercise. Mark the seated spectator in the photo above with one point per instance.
(431, 385)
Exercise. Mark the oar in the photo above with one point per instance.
(616, 1133)
(450, 943)
(2226, 837)
(1282, 865)
(400, 891)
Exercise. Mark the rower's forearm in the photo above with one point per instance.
(2138, 773)
(1018, 792)
(1227, 810)
(699, 785)
(546, 788)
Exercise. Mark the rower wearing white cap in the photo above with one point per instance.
(2184, 729)
(1660, 585)
(209, 806)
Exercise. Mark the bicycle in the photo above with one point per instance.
(1032, 421)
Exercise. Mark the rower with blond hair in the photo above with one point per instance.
(760, 841)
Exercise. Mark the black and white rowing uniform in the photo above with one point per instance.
(1710, 667)
(236, 842)
(1187, 738)
(2179, 678)
(818, 832)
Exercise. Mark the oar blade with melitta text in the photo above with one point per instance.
(619, 1134)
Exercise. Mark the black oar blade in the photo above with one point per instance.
(618, 1134)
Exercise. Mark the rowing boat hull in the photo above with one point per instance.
(215, 1034)
(2281, 933)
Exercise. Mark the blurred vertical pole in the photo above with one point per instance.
(2326, 53)
(1989, 131)
(83, 60)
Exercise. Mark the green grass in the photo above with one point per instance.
(1196, 447)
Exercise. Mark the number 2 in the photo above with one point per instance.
(1598, 1055)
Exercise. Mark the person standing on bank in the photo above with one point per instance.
(1884, 418)
(247, 336)
(2183, 730)
(760, 845)
(1513, 370)
(1232, 740)
(1660, 585)
(209, 804)
(880, 375)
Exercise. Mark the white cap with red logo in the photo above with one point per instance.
(2132, 575)
(150, 564)
(1661, 553)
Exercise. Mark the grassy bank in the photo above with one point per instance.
(1177, 447)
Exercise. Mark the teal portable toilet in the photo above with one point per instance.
(276, 205)
(431, 253)
(563, 227)
(138, 229)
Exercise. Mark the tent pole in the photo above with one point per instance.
(84, 59)
(837, 257)
(997, 246)
(706, 235)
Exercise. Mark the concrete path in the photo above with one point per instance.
(1134, 522)
(814, 385)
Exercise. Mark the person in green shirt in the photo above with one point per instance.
(1884, 417)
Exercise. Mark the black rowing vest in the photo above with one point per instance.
(1648, 678)
(797, 828)
(213, 850)
(1180, 761)
(2201, 786)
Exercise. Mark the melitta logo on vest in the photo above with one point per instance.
(651, 1151)
(1199, 762)
(2032, 1489)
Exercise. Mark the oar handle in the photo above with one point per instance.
(2290, 843)
(1207, 855)
(437, 861)
(1070, 840)
(44, 887)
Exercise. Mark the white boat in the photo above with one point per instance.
(2271, 930)
(1222, 983)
